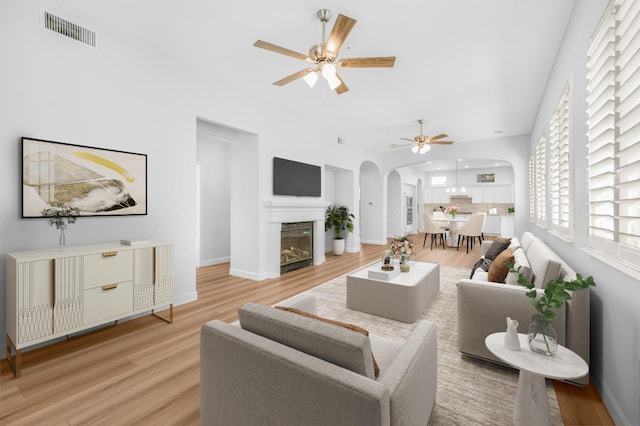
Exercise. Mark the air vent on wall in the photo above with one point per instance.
(69, 29)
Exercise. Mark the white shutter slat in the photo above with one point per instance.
(614, 148)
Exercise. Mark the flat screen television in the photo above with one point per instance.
(294, 178)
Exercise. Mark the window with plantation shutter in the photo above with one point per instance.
(541, 180)
(614, 134)
(560, 171)
(532, 189)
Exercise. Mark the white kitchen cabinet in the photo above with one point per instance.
(476, 194)
(492, 225)
(436, 195)
(57, 292)
(507, 226)
(488, 194)
(491, 194)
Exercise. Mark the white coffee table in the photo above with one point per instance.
(531, 405)
(402, 298)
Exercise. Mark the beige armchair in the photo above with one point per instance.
(281, 368)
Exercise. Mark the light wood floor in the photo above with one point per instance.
(146, 371)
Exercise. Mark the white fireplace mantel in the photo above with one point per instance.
(279, 212)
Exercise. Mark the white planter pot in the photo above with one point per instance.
(338, 246)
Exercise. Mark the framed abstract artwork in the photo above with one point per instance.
(486, 178)
(96, 181)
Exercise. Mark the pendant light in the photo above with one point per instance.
(454, 188)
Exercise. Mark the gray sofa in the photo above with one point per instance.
(483, 306)
(281, 368)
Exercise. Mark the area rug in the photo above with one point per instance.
(470, 391)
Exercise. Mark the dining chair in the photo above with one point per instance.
(471, 230)
(432, 229)
(484, 220)
(441, 220)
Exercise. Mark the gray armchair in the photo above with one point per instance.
(280, 368)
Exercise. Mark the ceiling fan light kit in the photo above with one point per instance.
(311, 79)
(421, 144)
(324, 55)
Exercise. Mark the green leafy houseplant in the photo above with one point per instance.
(555, 294)
(338, 219)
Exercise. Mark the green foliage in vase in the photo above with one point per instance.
(338, 219)
(60, 215)
(556, 292)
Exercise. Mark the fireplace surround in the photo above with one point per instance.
(279, 212)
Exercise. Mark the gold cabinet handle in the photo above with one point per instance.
(109, 253)
(109, 287)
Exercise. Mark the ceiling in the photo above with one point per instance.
(472, 69)
(462, 163)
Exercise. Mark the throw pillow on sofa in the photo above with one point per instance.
(520, 263)
(497, 247)
(346, 325)
(498, 271)
(336, 345)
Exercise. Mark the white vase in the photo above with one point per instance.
(338, 246)
(511, 340)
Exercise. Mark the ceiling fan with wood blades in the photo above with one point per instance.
(422, 143)
(324, 56)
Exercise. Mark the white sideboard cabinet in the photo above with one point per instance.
(57, 292)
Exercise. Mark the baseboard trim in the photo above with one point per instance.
(376, 242)
(216, 261)
(248, 275)
(185, 298)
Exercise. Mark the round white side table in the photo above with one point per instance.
(531, 406)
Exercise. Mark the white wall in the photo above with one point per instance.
(339, 189)
(394, 205)
(615, 317)
(246, 208)
(329, 190)
(129, 96)
(213, 157)
(409, 193)
(372, 207)
(122, 96)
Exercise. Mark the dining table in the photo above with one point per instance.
(451, 224)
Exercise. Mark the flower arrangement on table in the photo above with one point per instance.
(401, 245)
(452, 209)
(60, 215)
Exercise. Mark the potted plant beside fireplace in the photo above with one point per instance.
(338, 219)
